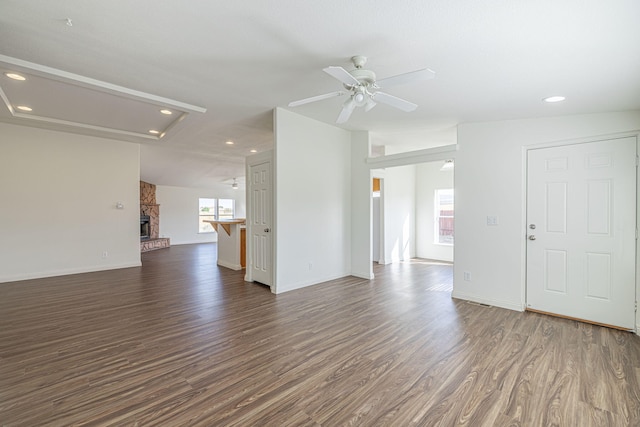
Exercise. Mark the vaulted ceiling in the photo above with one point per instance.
(227, 64)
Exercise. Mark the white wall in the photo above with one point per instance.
(399, 213)
(313, 201)
(430, 178)
(58, 203)
(179, 211)
(489, 180)
(361, 207)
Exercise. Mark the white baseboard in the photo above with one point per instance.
(299, 285)
(509, 305)
(366, 276)
(66, 272)
(229, 265)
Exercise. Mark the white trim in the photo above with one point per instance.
(85, 125)
(583, 140)
(509, 305)
(232, 266)
(66, 271)
(444, 152)
(87, 82)
(366, 275)
(293, 286)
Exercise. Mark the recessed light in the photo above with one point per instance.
(253, 151)
(15, 76)
(154, 132)
(167, 112)
(555, 98)
(24, 108)
(229, 142)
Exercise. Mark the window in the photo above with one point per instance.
(225, 208)
(444, 216)
(214, 209)
(207, 212)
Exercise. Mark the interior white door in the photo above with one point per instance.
(261, 223)
(581, 222)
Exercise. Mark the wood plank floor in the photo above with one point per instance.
(181, 342)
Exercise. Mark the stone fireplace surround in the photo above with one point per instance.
(149, 207)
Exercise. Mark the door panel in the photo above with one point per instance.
(260, 222)
(581, 215)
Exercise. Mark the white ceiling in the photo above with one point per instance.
(494, 60)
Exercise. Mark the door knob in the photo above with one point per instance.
(532, 237)
(266, 230)
(532, 226)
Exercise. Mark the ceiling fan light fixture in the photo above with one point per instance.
(447, 166)
(362, 87)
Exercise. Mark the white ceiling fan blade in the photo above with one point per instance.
(399, 103)
(347, 109)
(370, 104)
(341, 74)
(315, 98)
(401, 79)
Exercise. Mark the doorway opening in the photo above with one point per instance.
(413, 217)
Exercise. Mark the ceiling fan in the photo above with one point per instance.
(362, 87)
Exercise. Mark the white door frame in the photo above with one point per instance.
(254, 160)
(523, 228)
(377, 167)
(380, 173)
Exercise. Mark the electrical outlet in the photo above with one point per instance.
(467, 276)
(492, 220)
(105, 254)
(310, 265)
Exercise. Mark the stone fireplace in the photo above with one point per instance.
(145, 227)
(150, 220)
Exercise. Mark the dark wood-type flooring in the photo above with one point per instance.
(181, 342)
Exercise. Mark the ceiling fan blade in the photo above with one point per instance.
(341, 74)
(315, 98)
(369, 105)
(347, 109)
(401, 79)
(396, 102)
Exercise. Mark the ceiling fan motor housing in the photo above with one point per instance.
(365, 77)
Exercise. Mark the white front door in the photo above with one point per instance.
(260, 222)
(581, 226)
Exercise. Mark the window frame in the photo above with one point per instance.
(215, 215)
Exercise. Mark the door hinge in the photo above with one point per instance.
(636, 306)
(636, 234)
(637, 160)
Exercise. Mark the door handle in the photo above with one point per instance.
(532, 237)
(266, 230)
